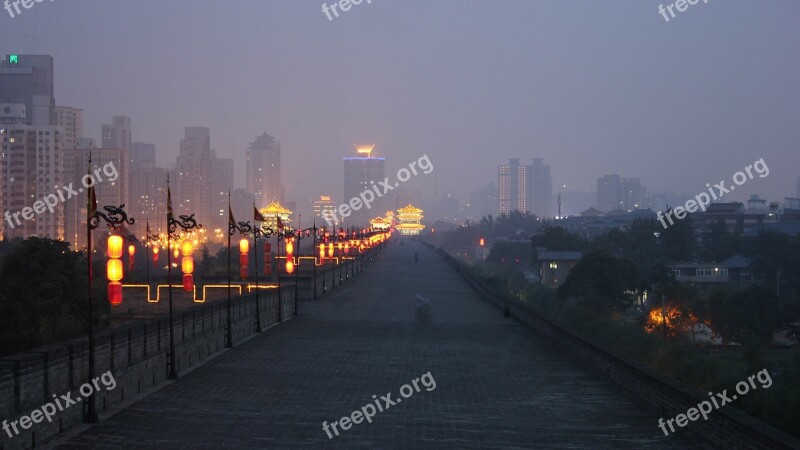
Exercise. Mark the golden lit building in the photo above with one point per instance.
(324, 209)
(409, 219)
(379, 223)
(275, 211)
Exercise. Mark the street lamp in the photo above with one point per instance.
(187, 223)
(244, 228)
(115, 218)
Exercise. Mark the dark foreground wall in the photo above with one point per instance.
(726, 428)
(135, 354)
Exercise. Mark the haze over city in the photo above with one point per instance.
(592, 88)
(400, 224)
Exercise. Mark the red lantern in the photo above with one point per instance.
(115, 293)
(114, 271)
(188, 282)
(155, 256)
(289, 266)
(131, 254)
(244, 248)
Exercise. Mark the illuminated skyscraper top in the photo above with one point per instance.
(360, 174)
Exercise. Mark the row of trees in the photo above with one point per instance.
(43, 288)
(43, 294)
(619, 266)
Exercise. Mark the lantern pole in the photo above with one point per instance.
(91, 415)
(278, 274)
(256, 232)
(297, 268)
(229, 334)
(313, 250)
(244, 228)
(186, 224)
(115, 218)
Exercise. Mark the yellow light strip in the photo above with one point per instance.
(236, 286)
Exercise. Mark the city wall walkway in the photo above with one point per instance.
(498, 385)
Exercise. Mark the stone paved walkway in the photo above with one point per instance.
(497, 384)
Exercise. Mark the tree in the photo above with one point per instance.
(678, 241)
(600, 283)
(557, 238)
(745, 316)
(774, 258)
(719, 243)
(42, 296)
(509, 252)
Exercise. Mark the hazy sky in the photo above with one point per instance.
(593, 87)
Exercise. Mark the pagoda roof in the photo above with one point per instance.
(275, 208)
(410, 209)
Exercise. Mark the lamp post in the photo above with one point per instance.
(233, 227)
(186, 224)
(115, 218)
(300, 234)
(268, 232)
(150, 240)
(244, 228)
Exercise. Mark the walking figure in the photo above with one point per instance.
(416, 257)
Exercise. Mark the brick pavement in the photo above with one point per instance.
(497, 384)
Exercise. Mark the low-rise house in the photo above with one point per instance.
(555, 265)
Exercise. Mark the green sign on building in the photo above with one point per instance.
(13, 59)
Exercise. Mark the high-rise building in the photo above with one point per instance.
(71, 121)
(361, 173)
(117, 134)
(512, 182)
(31, 162)
(221, 185)
(143, 155)
(111, 189)
(28, 79)
(798, 187)
(608, 193)
(147, 188)
(193, 185)
(540, 189)
(482, 202)
(263, 171)
(615, 193)
(324, 208)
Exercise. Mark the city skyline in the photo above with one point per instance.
(685, 141)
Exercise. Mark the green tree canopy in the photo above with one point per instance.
(42, 295)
